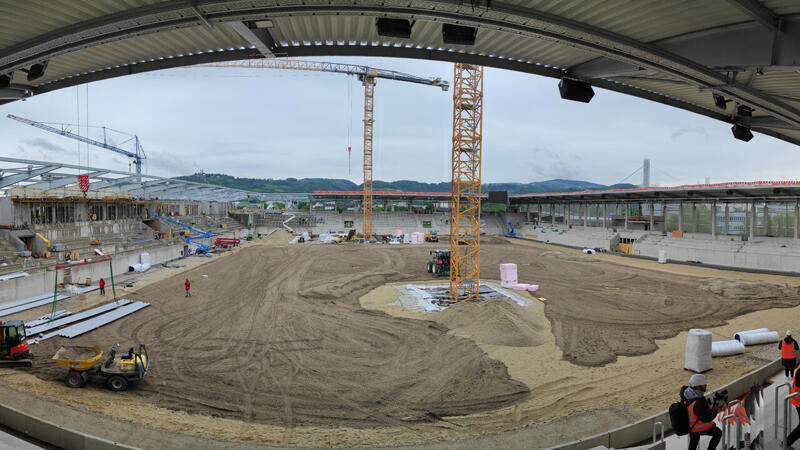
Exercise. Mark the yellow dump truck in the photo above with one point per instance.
(117, 372)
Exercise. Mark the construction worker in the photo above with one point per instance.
(188, 286)
(788, 348)
(102, 284)
(795, 434)
(701, 413)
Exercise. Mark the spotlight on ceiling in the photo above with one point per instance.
(578, 91)
(458, 35)
(742, 133)
(396, 28)
(759, 71)
(36, 71)
(720, 101)
(744, 110)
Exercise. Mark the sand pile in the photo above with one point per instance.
(276, 335)
(278, 237)
(495, 321)
(76, 352)
(749, 290)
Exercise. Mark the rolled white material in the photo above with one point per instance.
(764, 337)
(726, 348)
(138, 267)
(738, 336)
(698, 351)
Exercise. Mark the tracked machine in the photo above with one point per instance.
(14, 350)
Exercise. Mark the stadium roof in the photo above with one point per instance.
(681, 53)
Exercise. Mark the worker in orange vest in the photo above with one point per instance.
(796, 402)
(701, 413)
(102, 284)
(788, 348)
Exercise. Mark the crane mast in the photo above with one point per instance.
(137, 156)
(367, 76)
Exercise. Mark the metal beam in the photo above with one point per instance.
(259, 37)
(506, 18)
(759, 13)
(58, 181)
(30, 173)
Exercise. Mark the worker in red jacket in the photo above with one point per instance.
(102, 286)
(188, 285)
(788, 348)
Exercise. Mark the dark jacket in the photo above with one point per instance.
(701, 408)
(788, 340)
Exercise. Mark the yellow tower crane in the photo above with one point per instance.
(367, 76)
(465, 198)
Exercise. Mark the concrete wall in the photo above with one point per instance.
(6, 211)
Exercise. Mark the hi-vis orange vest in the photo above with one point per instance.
(697, 424)
(795, 401)
(788, 351)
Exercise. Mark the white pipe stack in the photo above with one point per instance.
(764, 337)
(738, 336)
(698, 351)
(726, 348)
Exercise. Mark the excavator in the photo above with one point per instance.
(14, 350)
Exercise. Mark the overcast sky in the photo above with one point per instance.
(278, 124)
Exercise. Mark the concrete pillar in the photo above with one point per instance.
(714, 220)
(567, 214)
(585, 214)
(753, 220)
(727, 215)
(528, 213)
(680, 216)
(694, 217)
(664, 216)
(652, 216)
(605, 214)
(796, 211)
(552, 213)
(539, 217)
(627, 208)
(765, 219)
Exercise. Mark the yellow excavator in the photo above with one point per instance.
(432, 236)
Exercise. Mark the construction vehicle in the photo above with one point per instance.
(116, 372)
(190, 239)
(432, 236)
(227, 242)
(14, 350)
(439, 263)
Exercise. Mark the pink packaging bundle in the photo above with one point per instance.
(521, 287)
(508, 275)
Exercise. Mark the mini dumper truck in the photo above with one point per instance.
(117, 371)
(439, 263)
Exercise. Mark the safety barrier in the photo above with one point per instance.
(642, 431)
(54, 434)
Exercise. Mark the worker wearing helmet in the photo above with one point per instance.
(701, 413)
(788, 348)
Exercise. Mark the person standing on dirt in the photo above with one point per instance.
(788, 348)
(795, 434)
(102, 285)
(187, 285)
(701, 414)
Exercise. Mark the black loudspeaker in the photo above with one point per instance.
(498, 197)
(742, 133)
(396, 28)
(575, 90)
(458, 35)
(36, 71)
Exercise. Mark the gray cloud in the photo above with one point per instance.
(687, 131)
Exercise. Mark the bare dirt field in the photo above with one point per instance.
(301, 344)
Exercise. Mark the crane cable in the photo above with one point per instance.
(78, 114)
(350, 123)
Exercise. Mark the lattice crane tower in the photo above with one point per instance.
(465, 212)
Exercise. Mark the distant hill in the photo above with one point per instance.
(332, 184)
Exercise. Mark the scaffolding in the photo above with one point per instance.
(465, 213)
(369, 92)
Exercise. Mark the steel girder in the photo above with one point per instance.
(9, 180)
(56, 181)
(505, 17)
